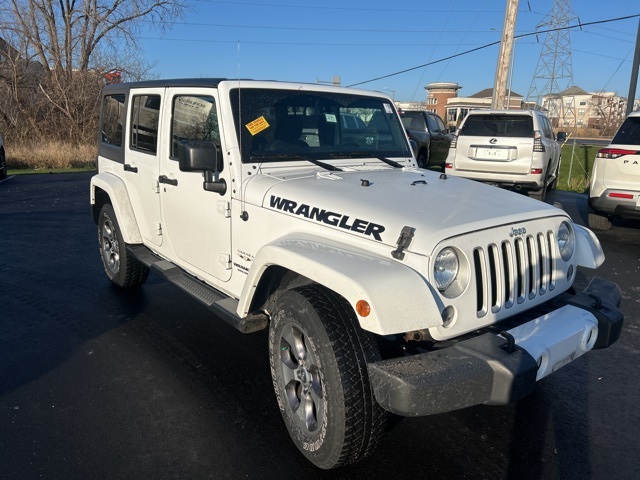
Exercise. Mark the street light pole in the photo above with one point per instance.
(634, 74)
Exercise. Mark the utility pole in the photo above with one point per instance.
(634, 74)
(504, 57)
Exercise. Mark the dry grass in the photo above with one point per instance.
(50, 155)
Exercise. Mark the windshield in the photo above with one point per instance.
(498, 126)
(280, 125)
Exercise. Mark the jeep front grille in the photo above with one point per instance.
(515, 271)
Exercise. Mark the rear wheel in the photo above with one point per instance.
(318, 357)
(554, 183)
(542, 193)
(597, 221)
(121, 267)
(539, 194)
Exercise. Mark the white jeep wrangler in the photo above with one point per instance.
(385, 288)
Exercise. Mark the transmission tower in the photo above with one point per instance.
(554, 72)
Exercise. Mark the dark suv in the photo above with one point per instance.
(431, 136)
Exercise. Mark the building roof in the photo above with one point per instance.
(488, 93)
(574, 90)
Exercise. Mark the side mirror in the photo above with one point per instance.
(452, 129)
(561, 137)
(199, 156)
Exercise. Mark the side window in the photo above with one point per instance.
(548, 132)
(193, 117)
(145, 118)
(113, 118)
(432, 124)
(440, 123)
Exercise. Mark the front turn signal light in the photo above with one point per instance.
(363, 308)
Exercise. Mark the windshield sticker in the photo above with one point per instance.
(257, 126)
(330, 118)
(387, 108)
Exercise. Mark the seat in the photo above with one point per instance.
(287, 134)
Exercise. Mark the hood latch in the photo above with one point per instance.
(404, 240)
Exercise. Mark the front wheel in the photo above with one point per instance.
(121, 267)
(318, 357)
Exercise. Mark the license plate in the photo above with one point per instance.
(493, 153)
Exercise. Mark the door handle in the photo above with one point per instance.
(165, 179)
(129, 168)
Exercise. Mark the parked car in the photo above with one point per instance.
(514, 149)
(615, 178)
(430, 134)
(3, 160)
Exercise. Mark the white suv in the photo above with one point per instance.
(615, 179)
(260, 202)
(515, 149)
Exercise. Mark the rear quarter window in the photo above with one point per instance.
(498, 126)
(113, 119)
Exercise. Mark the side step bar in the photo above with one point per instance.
(216, 301)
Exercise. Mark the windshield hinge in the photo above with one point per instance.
(404, 240)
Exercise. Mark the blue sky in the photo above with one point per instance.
(365, 39)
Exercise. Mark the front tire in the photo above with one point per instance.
(318, 357)
(121, 267)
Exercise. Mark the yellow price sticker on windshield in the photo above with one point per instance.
(257, 126)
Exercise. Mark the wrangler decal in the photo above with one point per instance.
(333, 219)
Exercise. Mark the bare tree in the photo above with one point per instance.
(56, 70)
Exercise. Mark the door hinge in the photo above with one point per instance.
(224, 209)
(225, 260)
(159, 230)
(157, 186)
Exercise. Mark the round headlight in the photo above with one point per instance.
(445, 268)
(566, 241)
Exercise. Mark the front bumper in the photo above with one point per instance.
(498, 369)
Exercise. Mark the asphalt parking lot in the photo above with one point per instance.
(97, 383)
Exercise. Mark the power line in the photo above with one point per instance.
(315, 29)
(356, 9)
(313, 44)
(466, 52)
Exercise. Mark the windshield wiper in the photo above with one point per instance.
(388, 161)
(326, 166)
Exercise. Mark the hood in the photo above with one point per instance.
(378, 204)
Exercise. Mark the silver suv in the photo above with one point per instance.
(515, 149)
(615, 179)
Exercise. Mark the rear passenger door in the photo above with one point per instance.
(141, 163)
(550, 143)
(197, 223)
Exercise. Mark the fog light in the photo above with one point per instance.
(570, 272)
(448, 315)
